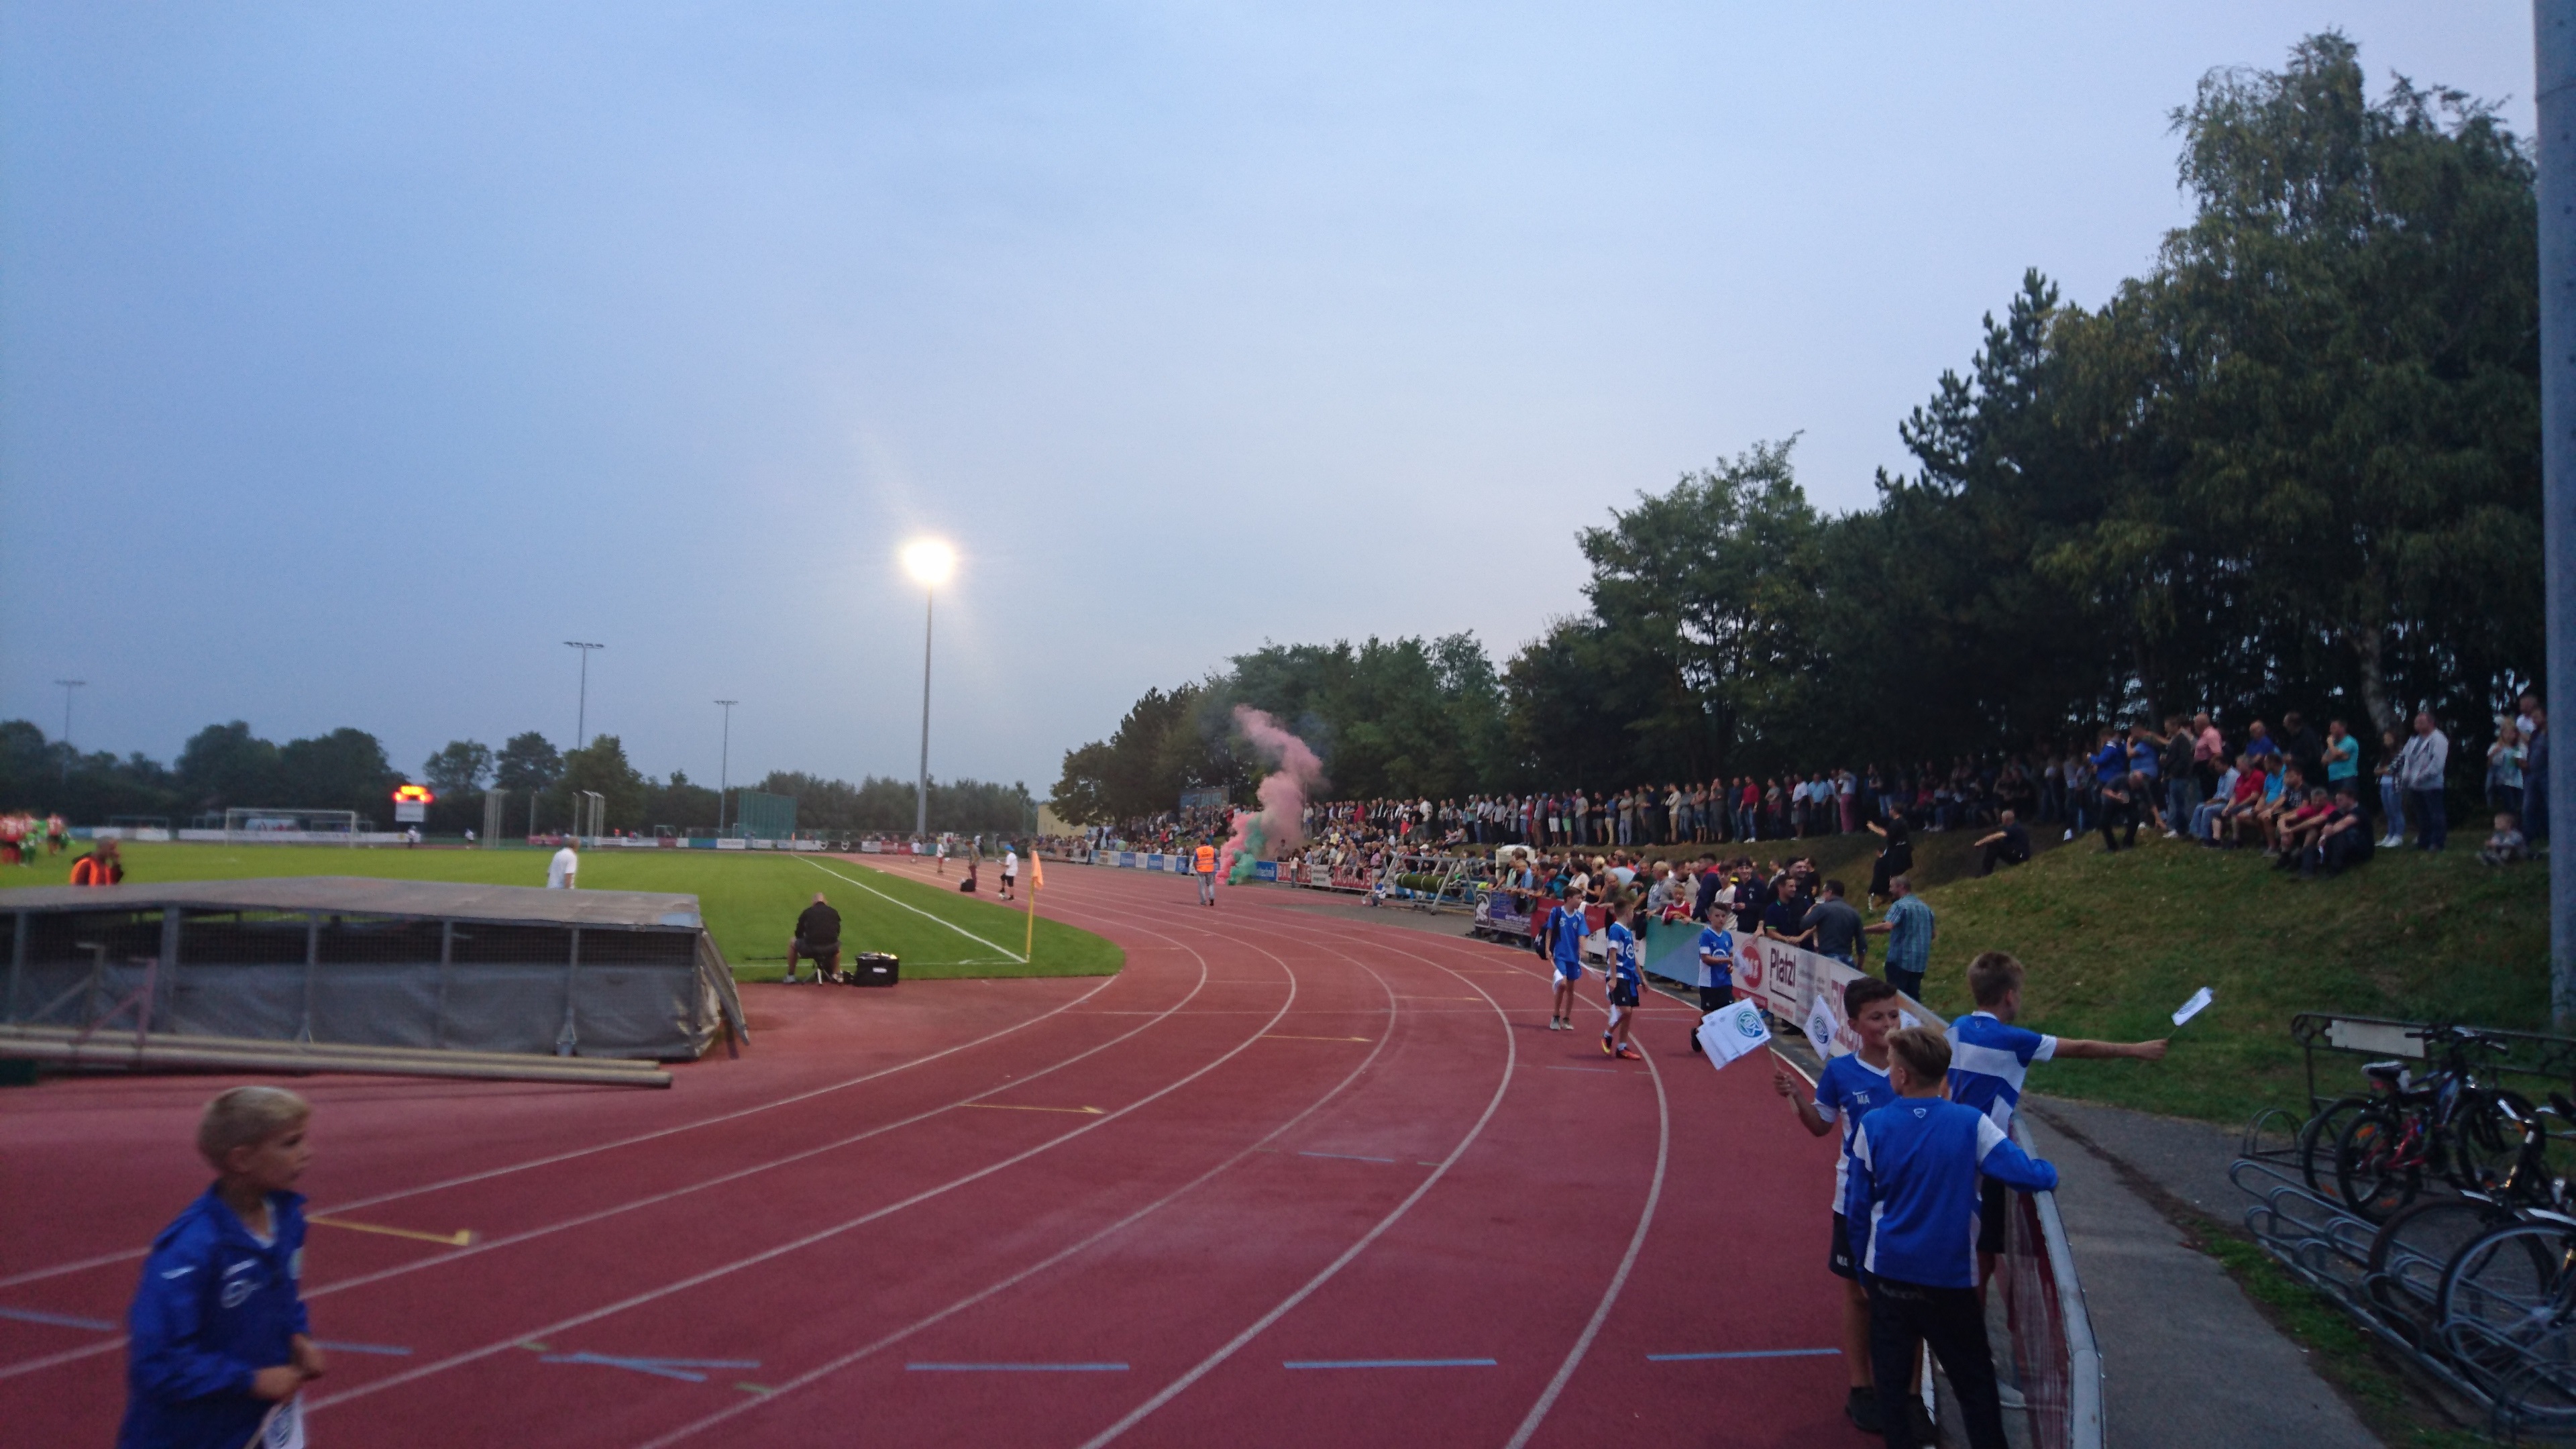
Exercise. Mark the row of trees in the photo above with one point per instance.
(2294, 466)
(226, 765)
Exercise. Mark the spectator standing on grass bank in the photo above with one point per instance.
(2535, 769)
(1909, 929)
(2392, 795)
(2111, 781)
(2504, 769)
(562, 871)
(1912, 1206)
(2421, 769)
(1895, 853)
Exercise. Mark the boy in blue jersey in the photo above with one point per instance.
(217, 1346)
(1912, 1208)
(1716, 969)
(1619, 963)
(1850, 1088)
(1989, 1056)
(1566, 929)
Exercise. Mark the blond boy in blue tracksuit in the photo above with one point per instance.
(219, 1344)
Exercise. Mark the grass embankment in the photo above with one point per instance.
(749, 899)
(2115, 943)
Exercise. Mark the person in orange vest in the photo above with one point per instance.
(99, 867)
(1203, 865)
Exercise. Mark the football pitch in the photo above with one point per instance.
(749, 899)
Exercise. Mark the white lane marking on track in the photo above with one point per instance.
(825, 1370)
(354, 1204)
(916, 910)
(1181, 1385)
(783, 1249)
(28, 1366)
(1627, 1263)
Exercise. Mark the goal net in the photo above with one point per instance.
(291, 827)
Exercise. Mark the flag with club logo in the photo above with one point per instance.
(1732, 1031)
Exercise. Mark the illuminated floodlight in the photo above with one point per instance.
(929, 561)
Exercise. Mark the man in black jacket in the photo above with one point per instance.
(818, 936)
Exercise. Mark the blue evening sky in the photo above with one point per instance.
(352, 357)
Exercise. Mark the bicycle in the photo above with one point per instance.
(2449, 1125)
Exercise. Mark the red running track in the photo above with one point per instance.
(1290, 1178)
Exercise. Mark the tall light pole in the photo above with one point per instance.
(724, 764)
(930, 562)
(2553, 25)
(581, 716)
(68, 686)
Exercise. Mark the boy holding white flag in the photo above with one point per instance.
(1850, 1088)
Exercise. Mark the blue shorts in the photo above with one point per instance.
(1569, 973)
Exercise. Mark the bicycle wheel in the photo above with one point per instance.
(2416, 1246)
(2483, 1139)
(2369, 1172)
(2507, 1311)
(2317, 1141)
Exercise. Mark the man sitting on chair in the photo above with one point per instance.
(818, 937)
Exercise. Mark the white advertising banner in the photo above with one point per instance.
(1795, 984)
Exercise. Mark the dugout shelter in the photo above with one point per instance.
(423, 965)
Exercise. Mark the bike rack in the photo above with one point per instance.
(2328, 1248)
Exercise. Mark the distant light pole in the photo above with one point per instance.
(724, 764)
(2553, 25)
(930, 562)
(581, 717)
(68, 686)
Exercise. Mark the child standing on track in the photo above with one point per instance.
(1566, 929)
(1619, 963)
(1010, 871)
(1716, 969)
(1912, 1210)
(217, 1347)
(1850, 1088)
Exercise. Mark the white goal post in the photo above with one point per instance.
(290, 827)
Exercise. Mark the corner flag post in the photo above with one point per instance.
(1037, 880)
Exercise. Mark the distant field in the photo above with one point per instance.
(749, 899)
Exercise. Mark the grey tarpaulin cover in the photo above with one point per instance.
(376, 963)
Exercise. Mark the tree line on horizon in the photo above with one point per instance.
(227, 766)
(2296, 465)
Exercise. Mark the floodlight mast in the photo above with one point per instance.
(68, 685)
(724, 764)
(930, 562)
(2553, 24)
(581, 716)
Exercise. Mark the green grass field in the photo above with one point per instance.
(2115, 943)
(749, 899)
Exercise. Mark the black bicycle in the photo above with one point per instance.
(2449, 1126)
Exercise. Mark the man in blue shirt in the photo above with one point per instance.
(1566, 929)
(2111, 773)
(1990, 1056)
(1911, 1205)
(1908, 929)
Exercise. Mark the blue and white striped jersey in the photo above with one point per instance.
(1988, 1058)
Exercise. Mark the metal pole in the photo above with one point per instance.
(921, 795)
(581, 715)
(2553, 24)
(724, 764)
(68, 686)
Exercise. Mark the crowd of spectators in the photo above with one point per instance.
(2304, 797)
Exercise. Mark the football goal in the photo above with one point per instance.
(291, 827)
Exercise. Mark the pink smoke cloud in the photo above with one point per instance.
(1295, 776)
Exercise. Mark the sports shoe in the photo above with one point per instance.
(1606, 1049)
(1630, 1053)
(1861, 1407)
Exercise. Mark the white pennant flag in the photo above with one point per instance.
(1731, 1031)
(2199, 1001)
(1820, 1027)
